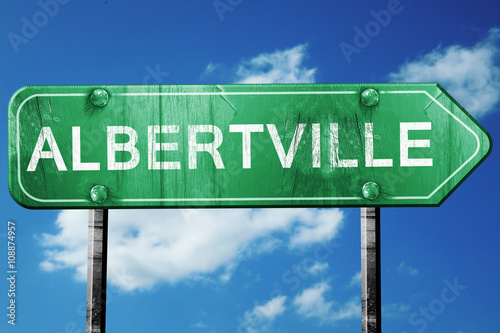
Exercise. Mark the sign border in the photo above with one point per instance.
(221, 93)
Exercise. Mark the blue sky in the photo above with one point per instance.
(272, 270)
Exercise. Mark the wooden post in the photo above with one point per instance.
(370, 270)
(97, 264)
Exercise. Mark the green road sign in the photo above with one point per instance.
(286, 145)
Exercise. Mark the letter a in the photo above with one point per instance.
(46, 135)
(16, 40)
(220, 7)
(348, 50)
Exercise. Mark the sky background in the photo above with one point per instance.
(270, 270)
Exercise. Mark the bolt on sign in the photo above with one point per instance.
(321, 145)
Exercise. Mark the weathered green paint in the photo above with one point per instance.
(457, 144)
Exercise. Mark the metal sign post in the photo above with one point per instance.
(96, 270)
(370, 270)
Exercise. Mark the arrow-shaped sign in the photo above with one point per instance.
(320, 145)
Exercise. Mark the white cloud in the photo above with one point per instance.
(403, 268)
(149, 247)
(211, 67)
(470, 74)
(214, 70)
(280, 66)
(395, 310)
(323, 227)
(69, 247)
(260, 318)
(355, 280)
(317, 268)
(199, 324)
(311, 303)
(272, 308)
